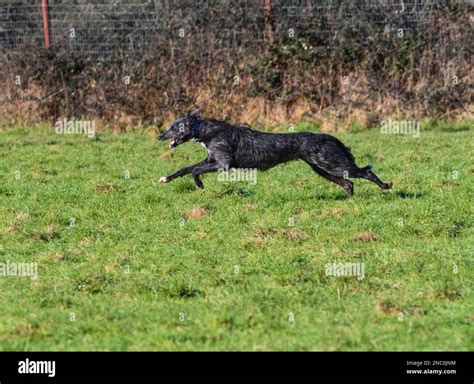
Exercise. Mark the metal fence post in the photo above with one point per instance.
(269, 27)
(45, 23)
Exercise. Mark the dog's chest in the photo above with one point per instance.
(207, 149)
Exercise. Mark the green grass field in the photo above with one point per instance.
(126, 263)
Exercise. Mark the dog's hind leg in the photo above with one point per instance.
(366, 173)
(338, 162)
(346, 184)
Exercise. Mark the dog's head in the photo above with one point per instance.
(181, 130)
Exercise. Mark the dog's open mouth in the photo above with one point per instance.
(174, 143)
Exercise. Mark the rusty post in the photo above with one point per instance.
(45, 23)
(269, 21)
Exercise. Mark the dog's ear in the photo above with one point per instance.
(194, 113)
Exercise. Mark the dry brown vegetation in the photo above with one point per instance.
(336, 66)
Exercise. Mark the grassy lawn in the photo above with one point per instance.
(126, 263)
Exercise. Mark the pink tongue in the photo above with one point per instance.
(171, 145)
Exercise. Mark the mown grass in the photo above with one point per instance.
(126, 263)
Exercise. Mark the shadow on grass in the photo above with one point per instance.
(389, 194)
(330, 197)
(409, 195)
(186, 186)
(454, 129)
(237, 191)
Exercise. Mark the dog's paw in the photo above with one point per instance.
(388, 185)
(199, 183)
(163, 180)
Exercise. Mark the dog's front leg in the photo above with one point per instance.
(214, 167)
(183, 171)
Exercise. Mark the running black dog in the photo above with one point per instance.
(230, 146)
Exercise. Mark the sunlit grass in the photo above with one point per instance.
(126, 263)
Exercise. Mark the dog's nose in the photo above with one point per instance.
(160, 137)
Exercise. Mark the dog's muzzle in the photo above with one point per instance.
(174, 141)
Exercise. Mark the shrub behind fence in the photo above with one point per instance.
(262, 61)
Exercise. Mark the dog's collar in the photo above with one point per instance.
(197, 130)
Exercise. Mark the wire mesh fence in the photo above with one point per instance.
(106, 27)
(276, 59)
